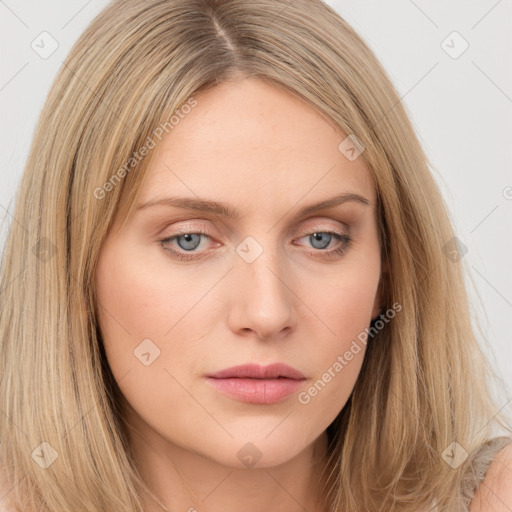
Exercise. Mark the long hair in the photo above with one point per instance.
(135, 70)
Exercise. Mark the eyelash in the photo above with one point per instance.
(184, 256)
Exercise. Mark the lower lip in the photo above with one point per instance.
(256, 391)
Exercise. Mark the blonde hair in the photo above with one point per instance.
(423, 384)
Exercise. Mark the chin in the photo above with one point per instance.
(261, 450)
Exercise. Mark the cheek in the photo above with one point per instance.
(141, 299)
(130, 306)
(345, 309)
(348, 298)
(137, 306)
(135, 299)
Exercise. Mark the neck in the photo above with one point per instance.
(190, 481)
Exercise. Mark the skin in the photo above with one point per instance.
(267, 153)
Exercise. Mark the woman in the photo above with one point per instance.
(228, 285)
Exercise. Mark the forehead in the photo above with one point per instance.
(255, 145)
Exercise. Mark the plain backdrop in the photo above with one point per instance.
(450, 62)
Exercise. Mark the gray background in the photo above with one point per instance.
(460, 105)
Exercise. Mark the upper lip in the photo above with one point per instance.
(256, 371)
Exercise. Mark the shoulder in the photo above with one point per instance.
(495, 493)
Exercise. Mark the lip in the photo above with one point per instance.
(256, 371)
(256, 384)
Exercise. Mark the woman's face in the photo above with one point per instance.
(257, 288)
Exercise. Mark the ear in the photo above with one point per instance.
(379, 302)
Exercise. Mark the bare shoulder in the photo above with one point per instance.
(495, 492)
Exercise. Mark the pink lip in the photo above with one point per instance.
(257, 384)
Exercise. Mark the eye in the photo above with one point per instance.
(188, 242)
(320, 240)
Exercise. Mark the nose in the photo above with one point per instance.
(262, 300)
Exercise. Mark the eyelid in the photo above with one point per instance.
(188, 228)
(323, 226)
(318, 225)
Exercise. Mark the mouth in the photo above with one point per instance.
(257, 384)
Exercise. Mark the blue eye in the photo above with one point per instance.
(321, 240)
(189, 241)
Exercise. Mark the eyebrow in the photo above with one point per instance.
(225, 210)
